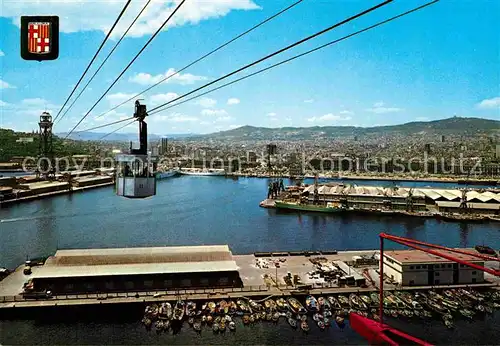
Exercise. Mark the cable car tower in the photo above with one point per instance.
(135, 176)
(45, 145)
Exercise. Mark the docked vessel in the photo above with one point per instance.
(203, 172)
(166, 174)
(328, 208)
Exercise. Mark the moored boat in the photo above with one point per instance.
(295, 306)
(311, 304)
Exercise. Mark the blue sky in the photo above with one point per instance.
(436, 63)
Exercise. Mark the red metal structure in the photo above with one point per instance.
(380, 333)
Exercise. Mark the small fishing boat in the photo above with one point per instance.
(321, 303)
(232, 326)
(179, 310)
(246, 319)
(334, 303)
(215, 327)
(228, 318)
(339, 320)
(191, 321)
(448, 322)
(304, 326)
(222, 325)
(211, 307)
(191, 308)
(311, 304)
(210, 319)
(321, 325)
(317, 317)
(303, 318)
(344, 301)
(197, 326)
(282, 304)
(327, 321)
(366, 299)
(254, 306)
(269, 316)
(295, 306)
(292, 322)
(276, 317)
(252, 318)
(375, 298)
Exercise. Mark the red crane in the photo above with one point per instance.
(380, 333)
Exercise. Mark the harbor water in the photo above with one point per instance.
(211, 210)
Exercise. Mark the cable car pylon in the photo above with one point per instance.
(135, 176)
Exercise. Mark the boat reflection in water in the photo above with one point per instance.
(377, 333)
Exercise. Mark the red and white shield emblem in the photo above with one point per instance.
(39, 37)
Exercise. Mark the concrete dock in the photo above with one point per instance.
(260, 276)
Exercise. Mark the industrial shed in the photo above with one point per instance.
(137, 269)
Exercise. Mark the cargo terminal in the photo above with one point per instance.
(137, 269)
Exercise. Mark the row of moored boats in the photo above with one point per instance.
(221, 315)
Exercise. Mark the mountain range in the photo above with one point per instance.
(449, 126)
(455, 125)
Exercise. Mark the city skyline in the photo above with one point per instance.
(398, 73)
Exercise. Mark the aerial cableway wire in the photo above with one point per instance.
(104, 61)
(104, 125)
(285, 61)
(276, 53)
(204, 56)
(118, 129)
(298, 56)
(126, 68)
(95, 56)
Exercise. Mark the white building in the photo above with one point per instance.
(418, 268)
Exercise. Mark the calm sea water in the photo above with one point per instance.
(208, 210)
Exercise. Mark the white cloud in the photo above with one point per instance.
(234, 126)
(272, 114)
(309, 101)
(5, 85)
(118, 98)
(345, 112)
(328, 117)
(2, 53)
(223, 119)
(183, 79)
(379, 108)
(181, 118)
(100, 15)
(233, 101)
(489, 103)
(213, 112)
(206, 102)
(163, 98)
(4, 104)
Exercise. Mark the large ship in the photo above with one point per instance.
(328, 208)
(203, 172)
(166, 174)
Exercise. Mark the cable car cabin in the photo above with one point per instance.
(135, 176)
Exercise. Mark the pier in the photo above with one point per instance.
(262, 275)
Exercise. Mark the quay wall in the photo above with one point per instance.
(254, 292)
(51, 194)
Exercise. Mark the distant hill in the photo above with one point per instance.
(119, 137)
(455, 125)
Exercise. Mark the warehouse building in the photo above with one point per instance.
(487, 202)
(137, 269)
(418, 268)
